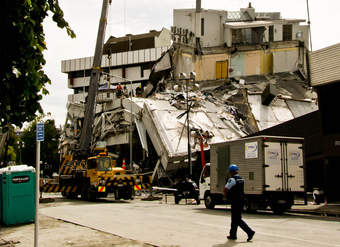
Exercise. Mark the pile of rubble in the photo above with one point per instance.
(220, 110)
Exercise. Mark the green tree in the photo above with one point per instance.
(49, 147)
(8, 152)
(23, 82)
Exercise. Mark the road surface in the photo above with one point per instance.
(166, 224)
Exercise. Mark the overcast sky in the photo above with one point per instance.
(140, 16)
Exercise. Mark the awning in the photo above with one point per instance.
(248, 24)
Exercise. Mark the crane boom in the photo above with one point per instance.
(87, 128)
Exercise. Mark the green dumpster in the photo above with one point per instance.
(17, 194)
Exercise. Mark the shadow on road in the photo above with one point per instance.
(266, 214)
(229, 243)
(79, 201)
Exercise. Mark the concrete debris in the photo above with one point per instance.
(220, 110)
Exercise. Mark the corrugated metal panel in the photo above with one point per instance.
(130, 57)
(119, 58)
(114, 60)
(141, 56)
(325, 65)
(147, 55)
(124, 57)
(88, 63)
(63, 66)
(152, 54)
(135, 57)
(105, 61)
(299, 108)
(73, 65)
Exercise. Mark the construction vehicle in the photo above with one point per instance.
(272, 167)
(92, 178)
(88, 172)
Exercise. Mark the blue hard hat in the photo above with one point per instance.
(233, 168)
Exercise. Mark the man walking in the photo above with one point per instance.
(234, 189)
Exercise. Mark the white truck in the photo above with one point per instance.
(273, 169)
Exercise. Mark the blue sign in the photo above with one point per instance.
(40, 132)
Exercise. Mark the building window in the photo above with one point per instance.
(123, 73)
(141, 71)
(202, 26)
(271, 33)
(287, 32)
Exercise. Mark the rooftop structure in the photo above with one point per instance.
(213, 28)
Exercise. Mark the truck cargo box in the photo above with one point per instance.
(267, 163)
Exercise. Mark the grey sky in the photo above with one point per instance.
(140, 16)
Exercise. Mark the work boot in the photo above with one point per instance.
(250, 236)
(231, 237)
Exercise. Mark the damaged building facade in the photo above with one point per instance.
(250, 74)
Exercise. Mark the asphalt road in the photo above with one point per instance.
(161, 224)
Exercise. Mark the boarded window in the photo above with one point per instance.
(221, 69)
(271, 33)
(287, 32)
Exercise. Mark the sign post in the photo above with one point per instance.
(39, 138)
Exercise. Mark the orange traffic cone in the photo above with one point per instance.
(123, 165)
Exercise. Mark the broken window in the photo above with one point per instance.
(257, 34)
(248, 35)
(287, 32)
(236, 36)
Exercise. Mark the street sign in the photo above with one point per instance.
(40, 132)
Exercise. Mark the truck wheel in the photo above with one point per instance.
(88, 195)
(209, 201)
(72, 196)
(177, 199)
(64, 194)
(198, 201)
(248, 207)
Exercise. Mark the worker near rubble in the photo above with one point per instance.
(125, 91)
(139, 91)
(234, 190)
(119, 90)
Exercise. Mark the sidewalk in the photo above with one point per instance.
(326, 209)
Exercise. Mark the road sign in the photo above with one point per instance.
(40, 132)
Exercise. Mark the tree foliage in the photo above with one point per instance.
(23, 82)
(49, 147)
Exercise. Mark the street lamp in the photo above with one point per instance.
(124, 79)
(192, 78)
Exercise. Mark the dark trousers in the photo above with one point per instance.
(236, 220)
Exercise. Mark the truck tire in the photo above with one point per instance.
(177, 199)
(209, 201)
(247, 207)
(198, 201)
(87, 194)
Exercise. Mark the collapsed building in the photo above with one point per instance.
(251, 73)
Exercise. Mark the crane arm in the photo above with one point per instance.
(87, 128)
